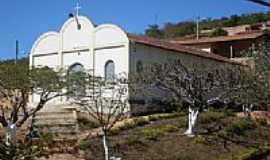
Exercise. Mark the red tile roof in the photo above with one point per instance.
(179, 48)
(243, 36)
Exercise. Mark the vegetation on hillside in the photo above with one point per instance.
(172, 30)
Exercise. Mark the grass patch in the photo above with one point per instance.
(142, 121)
(239, 127)
(157, 117)
(250, 154)
(154, 133)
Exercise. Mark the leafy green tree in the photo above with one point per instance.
(180, 29)
(219, 32)
(154, 31)
(17, 82)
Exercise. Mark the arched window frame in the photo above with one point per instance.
(79, 91)
(139, 66)
(107, 76)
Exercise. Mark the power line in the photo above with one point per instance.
(261, 2)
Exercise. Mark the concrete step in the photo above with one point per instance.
(63, 123)
(63, 129)
(49, 122)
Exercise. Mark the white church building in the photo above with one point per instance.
(109, 50)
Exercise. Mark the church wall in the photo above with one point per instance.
(111, 43)
(73, 44)
(82, 57)
(51, 61)
(143, 102)
(149, 54)
(118, 55)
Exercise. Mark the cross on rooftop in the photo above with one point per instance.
(77, 8)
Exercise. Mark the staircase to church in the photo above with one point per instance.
(59, 123)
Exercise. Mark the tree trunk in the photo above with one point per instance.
(105, 145)
(10, 134)
(192, 118)
(247, 109)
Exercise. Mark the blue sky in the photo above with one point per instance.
(25, 20)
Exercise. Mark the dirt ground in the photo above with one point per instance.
(62, 157)
(131, 145)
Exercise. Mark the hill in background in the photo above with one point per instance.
(180, 29)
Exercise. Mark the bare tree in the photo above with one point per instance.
(16, 84)
(252, 87)
(105, 101)
(196, 86)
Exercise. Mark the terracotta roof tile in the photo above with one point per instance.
(242, 36)
(179, 48)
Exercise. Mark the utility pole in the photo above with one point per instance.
(197, 27)
(198, 20)
(17, 51)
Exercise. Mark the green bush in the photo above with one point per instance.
(152, 134)
(85, 123)
(239, 127)
(157, 117)
(127, 125)
(84, 144)
(209, 117)
(219, 32)
(47, 138)
(228, 113)
(200, 140)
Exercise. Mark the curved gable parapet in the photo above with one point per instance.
(47, 43)
(107, 34)
(74, 37)
(72, 20)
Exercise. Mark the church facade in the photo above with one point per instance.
(108, 50)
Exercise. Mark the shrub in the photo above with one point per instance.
(47, 138)
(209, 117)
(228, 113)
(200, 140)
(128, 125)
(152, 134)
(86, 123)
(262, 121)
(20, 151)
(84, 144)
(239, 127)
(219, 32)
(141, 121)
(156, 117)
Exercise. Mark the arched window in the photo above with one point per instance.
(109, 70)
(75, 80)
(139, 67)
